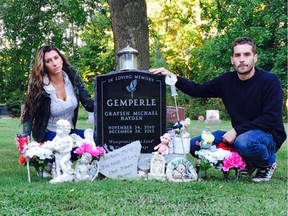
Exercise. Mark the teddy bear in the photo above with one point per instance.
(163, 147)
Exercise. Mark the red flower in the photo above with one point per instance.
(227, 147)
(22, 160)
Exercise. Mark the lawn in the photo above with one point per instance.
(138, 197)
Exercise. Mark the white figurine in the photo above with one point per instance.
(82, 170)
(179, 172)
(88, 138)
(62, 146)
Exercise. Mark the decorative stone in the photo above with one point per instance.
(157, 167)
(180, 170)
(121, 163)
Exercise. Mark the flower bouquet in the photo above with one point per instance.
(37, 155)
(233, 161)
(96, 151)
(219, 158)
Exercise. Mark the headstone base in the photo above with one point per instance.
(161, 177)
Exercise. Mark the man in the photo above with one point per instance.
(253, 99)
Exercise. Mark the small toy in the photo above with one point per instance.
(180, 128)
(207, 139)
(163, 147)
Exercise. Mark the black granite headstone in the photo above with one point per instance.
(130, 105)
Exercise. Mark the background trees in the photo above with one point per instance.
(189, 37)
(130, 25)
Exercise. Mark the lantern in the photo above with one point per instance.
(128, 58)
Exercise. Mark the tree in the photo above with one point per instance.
(129, 24)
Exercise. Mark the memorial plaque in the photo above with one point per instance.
(129, 106)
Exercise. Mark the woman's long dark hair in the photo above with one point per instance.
(33, 99)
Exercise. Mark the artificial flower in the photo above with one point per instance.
(225, 146)
(220, 159)
(201, 118)
(37, 155)
(234, 160)
(38, 150)
(96, 152)
(22, 160)
(213, 157)
(84, 148)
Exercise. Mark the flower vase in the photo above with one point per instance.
(180, 143)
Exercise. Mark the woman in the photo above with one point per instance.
(55, 90)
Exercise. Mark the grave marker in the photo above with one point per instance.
(130, 105)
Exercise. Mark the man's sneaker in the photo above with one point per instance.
(244, 173)
(265, 173)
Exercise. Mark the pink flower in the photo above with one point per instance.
(87, 148)
(84, 148)
(234, 160)
(96, 152)
(201, 118)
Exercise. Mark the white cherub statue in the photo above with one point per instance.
(62, 146)
(163, 147)
(88, 138)
(82, 170)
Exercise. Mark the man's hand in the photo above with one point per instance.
(229, 136)
(162, 71)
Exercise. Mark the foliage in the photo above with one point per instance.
(195, 43)
(191, 38)
(264, 21)
(55, 22)
(95, 56)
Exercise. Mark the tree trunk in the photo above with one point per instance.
(129, 24)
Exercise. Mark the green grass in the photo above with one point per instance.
(139, 197)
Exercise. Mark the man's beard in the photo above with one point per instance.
(244, 72)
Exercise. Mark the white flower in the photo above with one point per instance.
(213, 157)
(35, 149)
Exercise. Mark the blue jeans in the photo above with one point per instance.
(255, 146)
(50, 136)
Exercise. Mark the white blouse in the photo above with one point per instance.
(60, 109)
